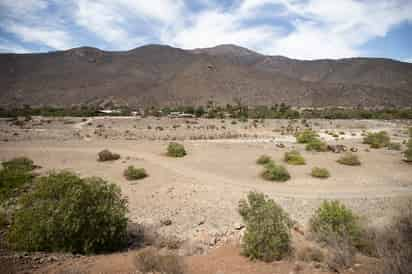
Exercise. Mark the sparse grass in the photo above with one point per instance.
(132, 173)
(316, 145)
(294, 158)
(149, 260)
(306, 136)
(377, 140)
(274, 172)
(67, 213)
(267, 235)
(263, 160)
(176, 150)
(319, 172)
(349, 159)
(107, 155)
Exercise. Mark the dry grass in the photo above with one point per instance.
(149, 260)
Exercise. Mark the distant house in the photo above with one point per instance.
(109, 111)
(177, 114)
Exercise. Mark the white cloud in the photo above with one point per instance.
(54, 39)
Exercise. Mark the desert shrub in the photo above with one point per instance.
(263, 160)
(394, 244)
(14, 176)
(309, 254)
(133, 173)
(3, 220)
(306, 136)
(377, 140)
(294, 158)
(349, 159)
(176, 150)
(394, 146)
(316, 145)
(334, 220)
(67, 213)
(22, 163)
(149, 260)
(107, 155)
(267, 235)
(319, 172)
(274, 172)
(341, 252)
(408, 152)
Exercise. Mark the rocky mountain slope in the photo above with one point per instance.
(162, 75)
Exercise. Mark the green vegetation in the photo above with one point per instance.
(319, 172)
(316, 145)
(14, 177)
(408, 152)
(133, 173)
(306, 136)
(333, 219)
(3, 220)
(274, 172)
(377, 140)
(349, 159)
(263, 160)
(267, 235)
(394, 146)
(294, 158)
(107, 155)
(176, 150)
(67, 213)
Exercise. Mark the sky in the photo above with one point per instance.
(301, 29)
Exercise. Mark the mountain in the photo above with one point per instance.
(162, 75)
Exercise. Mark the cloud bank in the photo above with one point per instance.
(303, 29)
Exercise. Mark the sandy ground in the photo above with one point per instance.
(200, 192)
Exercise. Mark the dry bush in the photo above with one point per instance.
(394, 244)
(377, 140)
(263, 160)
(319, 172)
(294, 158)
(107, 155)
(349, 159)
(274, 172)
(341, 252)
(176, 150)
(309, 253)
(149, 260)
(133, 173)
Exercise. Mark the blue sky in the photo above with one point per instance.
(303, 29)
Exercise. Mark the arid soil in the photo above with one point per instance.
(199, 193)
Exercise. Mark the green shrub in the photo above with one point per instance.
(306, 136)
(377, 140)
(316, 145)
(408, 152)
(333, 219)
(274, 172)
(133, 173)
(22, 163)
(176, 150)
(107, 155)
(13, 178)
(349, 159)
(3, 220)
(267, 235)
(394, 146)
(294, 158)
(263, 160)
(67, 213)
(319, 172)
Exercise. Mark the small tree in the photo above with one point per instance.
(267, 235)
(67, 213)
(176, 150)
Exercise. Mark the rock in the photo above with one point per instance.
(238, 226)
(353, 149)
(337, 148)
(166, 222)
(280, 145)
